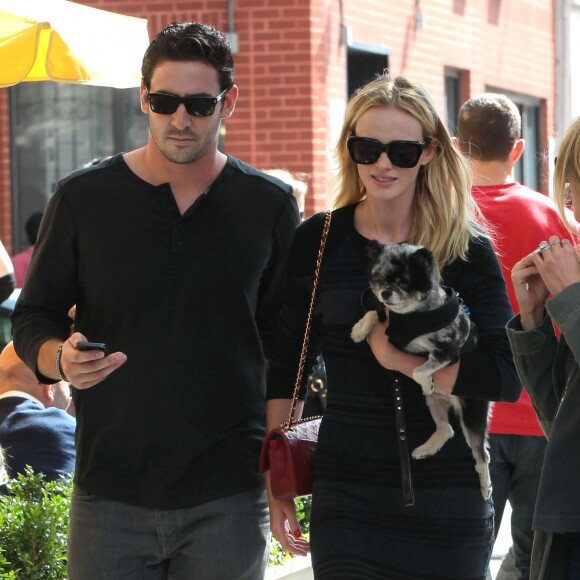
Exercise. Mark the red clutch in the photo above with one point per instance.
(289, 455)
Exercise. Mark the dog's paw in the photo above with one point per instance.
(364, 326)
(425, 450)
(440, 436)
(359, 331)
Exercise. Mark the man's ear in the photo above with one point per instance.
(517, 150)
(143, 98)
(47, 395)
(230, 102)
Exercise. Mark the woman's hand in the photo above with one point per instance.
(284, 524)
(531, 291)
(540, 274)
(558, 266)
(388, 355)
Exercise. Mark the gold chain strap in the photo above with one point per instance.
(302, 361)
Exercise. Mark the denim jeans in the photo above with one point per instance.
(224, 539)
(515, 467)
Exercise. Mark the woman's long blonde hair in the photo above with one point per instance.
(567, 170)
(445, 215)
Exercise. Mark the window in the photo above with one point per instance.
(456, 93)
(364, 62)
(528, 170)
(57, 128)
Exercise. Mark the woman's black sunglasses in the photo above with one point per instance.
(164, 104)
(404, 154)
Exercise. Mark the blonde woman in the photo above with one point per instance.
(400, 180)
(547, 285)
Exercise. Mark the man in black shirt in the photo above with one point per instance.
(174, 256)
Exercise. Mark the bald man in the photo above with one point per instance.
(35, 428)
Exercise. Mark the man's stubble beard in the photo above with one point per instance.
(187, 156)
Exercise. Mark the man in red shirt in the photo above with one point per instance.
(489, 133)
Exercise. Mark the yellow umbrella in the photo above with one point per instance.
(57, 40)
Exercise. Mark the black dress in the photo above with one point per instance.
(360, 527)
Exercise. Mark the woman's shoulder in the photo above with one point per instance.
(310, 229)
(481, 259)
(308, 235)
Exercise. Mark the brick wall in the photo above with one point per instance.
(291, 67)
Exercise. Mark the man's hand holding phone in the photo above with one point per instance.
(85, 363)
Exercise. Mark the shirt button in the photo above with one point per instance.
(179, 243)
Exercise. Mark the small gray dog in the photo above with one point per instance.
(427, 319)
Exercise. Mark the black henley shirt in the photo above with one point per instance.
(191, 300)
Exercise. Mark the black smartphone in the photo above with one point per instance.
(85, 345)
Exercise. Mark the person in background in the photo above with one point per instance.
(400, 180)
(298, 183)
(489, 134)
(174, 255)
(22, 259)
(35, 428)
(547, 288)
(7, 280)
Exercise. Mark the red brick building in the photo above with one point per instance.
(296, 63)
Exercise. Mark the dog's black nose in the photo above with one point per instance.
(386, 294)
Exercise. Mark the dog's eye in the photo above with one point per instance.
(403, 284)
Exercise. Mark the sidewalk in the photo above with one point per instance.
(503, 542)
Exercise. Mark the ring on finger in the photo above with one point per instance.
(554, 241)
(543, 247)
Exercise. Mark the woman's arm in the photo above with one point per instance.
(488, 372)
(7, 281)
(534, 352)
(397, 360)
(283, 520)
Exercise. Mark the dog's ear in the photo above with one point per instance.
(424, 258)
(374, 250)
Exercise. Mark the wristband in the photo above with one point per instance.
(59, 372)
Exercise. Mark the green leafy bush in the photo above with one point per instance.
(33, 528)
(278, 556)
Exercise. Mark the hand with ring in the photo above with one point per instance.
(543, 247)
(558, 268)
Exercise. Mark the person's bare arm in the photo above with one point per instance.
(6, 266)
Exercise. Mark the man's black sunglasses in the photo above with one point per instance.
(366, 151)
(164, 104)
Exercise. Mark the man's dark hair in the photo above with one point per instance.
(31, 226)
(488, 126)
(190, 41)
